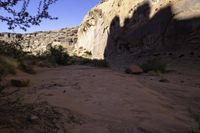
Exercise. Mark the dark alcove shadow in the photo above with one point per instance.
(143, 35)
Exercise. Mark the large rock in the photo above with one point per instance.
(118, 30)
(134, 69)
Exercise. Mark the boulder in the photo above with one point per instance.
(134, 69)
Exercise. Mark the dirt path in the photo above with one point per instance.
(109, 101)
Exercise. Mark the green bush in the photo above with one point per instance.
(91, 62)
(87, 54)
(154, 65)
(12, 50)
(12, 53)
(57, 55)
(99, 63)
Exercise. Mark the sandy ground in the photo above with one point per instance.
(107, 101)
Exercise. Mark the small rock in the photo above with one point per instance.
(154, 73)
(69, 62)
(134, 69)
(182, 55)
(34, 117)
(19, 83)
(191, 53)
(170, 54)
(197, 85)
(7, 130)
(49, 95)
(42, 64)
(164, 80)
(156, 54)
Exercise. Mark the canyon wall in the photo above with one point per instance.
(120, 30)
(36, 43)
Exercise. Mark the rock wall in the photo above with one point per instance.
(121, 29)
(36, 43)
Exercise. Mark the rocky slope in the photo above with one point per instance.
(121, 30)
(37, 42)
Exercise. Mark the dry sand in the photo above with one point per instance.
(107, 101)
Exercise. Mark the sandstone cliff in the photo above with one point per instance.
(120, 30)
(37, 42)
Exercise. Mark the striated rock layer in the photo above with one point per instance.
(120, 30)
(36, 43)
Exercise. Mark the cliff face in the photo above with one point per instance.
(36, 43)
(120, 30)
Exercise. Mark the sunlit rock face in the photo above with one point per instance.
(121, 29)
(38, 42)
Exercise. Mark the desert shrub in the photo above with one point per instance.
(6, 68)
(12, 50)
(38, 117)
(154, 65)
(1, 88)
(57, 55)
(11, 53)
(87, 54)
(81, 61)
(91, 62)
(19, 83)
(99, 63)
(196, 116)
(26, 68)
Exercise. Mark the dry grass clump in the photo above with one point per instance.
(26, 68)
(20, 117)
(154, 65)
(7, 66)
(90, 62)
(19, 83)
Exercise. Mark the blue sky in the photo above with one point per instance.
(69, 12)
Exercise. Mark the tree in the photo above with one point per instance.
(21, 18)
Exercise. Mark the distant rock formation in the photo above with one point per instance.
(120, 30)
(36, 43)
